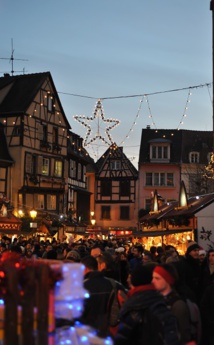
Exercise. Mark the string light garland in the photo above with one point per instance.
(98, 116)
(185, 110)
(139, 95)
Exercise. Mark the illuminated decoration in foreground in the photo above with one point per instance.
(209, 169)
(100, 121)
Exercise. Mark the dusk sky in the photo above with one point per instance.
(141, 50)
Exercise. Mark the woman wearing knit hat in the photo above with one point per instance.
(189, 271)
(164, 278)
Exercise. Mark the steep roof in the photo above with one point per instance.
(170, 210)
(182, 143)
(115, 152)
(22, 90)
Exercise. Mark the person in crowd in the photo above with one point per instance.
(202, 255)
(51, 255)
(164, 278)
(147, 257)
(123, 268)
(153, 251)
(207, 270)
(107, 265)
(96, 251)
(137, 253)
(160, 255)
(207, 314)
(145, 317)
(36, 251)
(96, 313)
(189, 270)
(72, 256)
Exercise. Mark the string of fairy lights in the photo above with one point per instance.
(99, 115)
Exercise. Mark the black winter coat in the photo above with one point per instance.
(95, 312)
(138, 326)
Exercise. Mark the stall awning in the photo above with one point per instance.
(160, 232)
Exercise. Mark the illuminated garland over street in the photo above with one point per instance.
(100, 118)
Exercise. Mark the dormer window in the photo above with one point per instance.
(115, 165)
(160, 150)
(194, 157)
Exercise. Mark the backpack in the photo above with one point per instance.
(116, 299)
(162, 323)
(195, 320)
(194, 317)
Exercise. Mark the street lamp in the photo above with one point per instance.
(33, 214)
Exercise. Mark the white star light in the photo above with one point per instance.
(99, 117)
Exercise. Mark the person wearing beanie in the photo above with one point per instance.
(164, 278)
(190, 270)
(202, 255)
(144, 316)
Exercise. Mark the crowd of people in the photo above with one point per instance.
(151, 288)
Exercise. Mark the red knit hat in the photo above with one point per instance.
(165, 274)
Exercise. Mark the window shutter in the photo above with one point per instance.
(28, 163)
(39, 164)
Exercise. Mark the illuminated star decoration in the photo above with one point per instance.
(99, 117)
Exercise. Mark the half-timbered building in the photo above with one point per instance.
(32, 120)
(115, 191)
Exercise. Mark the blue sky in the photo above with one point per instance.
(111, 48)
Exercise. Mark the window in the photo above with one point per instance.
(17, 131)
(105, 212)
(160, 152)
(39, 201)
(106, 188)
(125, 188)
(51, 202)
(159, 179)
(58, 168)
(124, 212)
(45, 166)
(55, 135)
(79, 172)
(51, 105)
(30, 163)
(45, 133)
(115, 165)
(194, 157)
(73, 169)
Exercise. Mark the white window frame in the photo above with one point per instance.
(194, 157)
(115, 165)
(159, 152)
(160, 179)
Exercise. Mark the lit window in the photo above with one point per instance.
(51, 202)
(58, 168)
(45, 166)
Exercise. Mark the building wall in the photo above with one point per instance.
(205, 227)
(166, 192)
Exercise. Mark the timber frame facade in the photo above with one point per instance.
(115, 190)
(36, 132)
